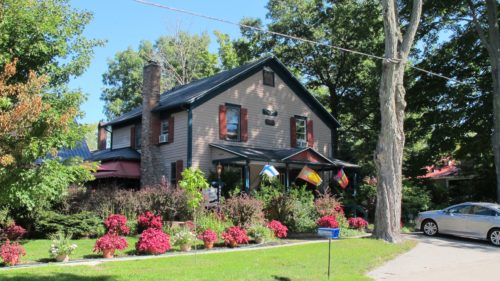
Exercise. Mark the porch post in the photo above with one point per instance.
(246, 170)
(287, 177)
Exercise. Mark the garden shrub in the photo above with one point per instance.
(183, 236)
(212, 221)
(11, 252)
(116, 224)
(153, 241)
(147, 220)
(260, 232)
(14, 232)
(357, 223)
(278, 228)
(244, 210)
(327, 205)
(327, 221)
(84, 224)
(235, 234)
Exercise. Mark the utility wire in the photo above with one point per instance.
(393, 60)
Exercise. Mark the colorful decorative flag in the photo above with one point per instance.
(342, 179)
(269, 171)
(310, 176)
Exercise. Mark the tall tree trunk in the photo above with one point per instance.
(334, 102)
(492, 44)
(390, 145)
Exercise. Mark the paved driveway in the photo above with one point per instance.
(443, 258)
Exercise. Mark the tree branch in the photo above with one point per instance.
(412, 29)
(477, 26)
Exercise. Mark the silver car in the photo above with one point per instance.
(474, 220)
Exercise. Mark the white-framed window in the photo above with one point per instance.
(268, 77)
(233, 122)
(164, 131)
(301, 131)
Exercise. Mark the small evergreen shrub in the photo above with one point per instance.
(85, 224)
(153, 242)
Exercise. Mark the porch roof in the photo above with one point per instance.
(301, 156)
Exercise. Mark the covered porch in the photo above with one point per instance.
(288, 162)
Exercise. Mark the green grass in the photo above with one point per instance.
(351, 259)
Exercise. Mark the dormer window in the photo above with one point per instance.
(268, 77)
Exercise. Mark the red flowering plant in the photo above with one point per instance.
(327, 221)
(14, 232)
(148, 220)
(116, 224)
(11, 253)
(208, 236)
(153, 241)
(357, 223)
(280, 230)
(110, 241)
(234, 236)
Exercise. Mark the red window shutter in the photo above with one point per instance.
(179, 166)
(155, 128)
(171, 129)
(244, 124)
(310, 133)
(293, 132)
(222, 122)
(132, 137)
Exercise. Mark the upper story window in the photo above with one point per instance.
(301, 131)
(268, 77)
(164, 131)
(233, 122)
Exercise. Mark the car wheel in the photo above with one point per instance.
(494, 237)
(430, 227)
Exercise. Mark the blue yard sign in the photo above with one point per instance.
(330, 233)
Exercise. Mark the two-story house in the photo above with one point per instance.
(245, 117)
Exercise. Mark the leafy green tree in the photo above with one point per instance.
(193, 181)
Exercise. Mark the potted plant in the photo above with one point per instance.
(184, 238)
(11, 253)
(234, 235)
(61, 247)
(109, 243)
(261, 233)
(153, 242)
(208, 237)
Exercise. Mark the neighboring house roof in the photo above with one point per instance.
(80, 150)
(126, 153)
(199, 91)
(285, 155)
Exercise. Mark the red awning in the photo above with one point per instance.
(119, 169)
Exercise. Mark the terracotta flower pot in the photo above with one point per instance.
(233, 244)
(108, 253)
(208, 245)
(62, 258)
(15, 261)
(186, 248)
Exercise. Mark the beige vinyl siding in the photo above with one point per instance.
(121, 137)
(253, 95)
(177, 150)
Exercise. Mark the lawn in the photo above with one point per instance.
(351, 260)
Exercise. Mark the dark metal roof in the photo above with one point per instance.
(126, 153)
(276, 155)
(81, 150)
(199, 91)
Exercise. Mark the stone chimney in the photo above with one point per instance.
(150, 152)
(102, 136)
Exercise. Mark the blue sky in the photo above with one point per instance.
(125, 23)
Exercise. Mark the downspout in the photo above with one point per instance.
(190, 138)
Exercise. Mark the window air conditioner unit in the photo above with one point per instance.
(301, 143)
(163, 138)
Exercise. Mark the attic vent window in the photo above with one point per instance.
(268, 76)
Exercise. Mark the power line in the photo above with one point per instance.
(294, 38)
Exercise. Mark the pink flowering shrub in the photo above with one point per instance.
(208, 236)
(14, 232)
(280, 230)
(116, 224)
(357, 223)
(327, 221)
(235, 234)
(11, 253)
(110, 241)
(149, 220)
(153, 241)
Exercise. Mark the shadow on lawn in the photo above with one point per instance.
(57, 277)
(281, 278)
